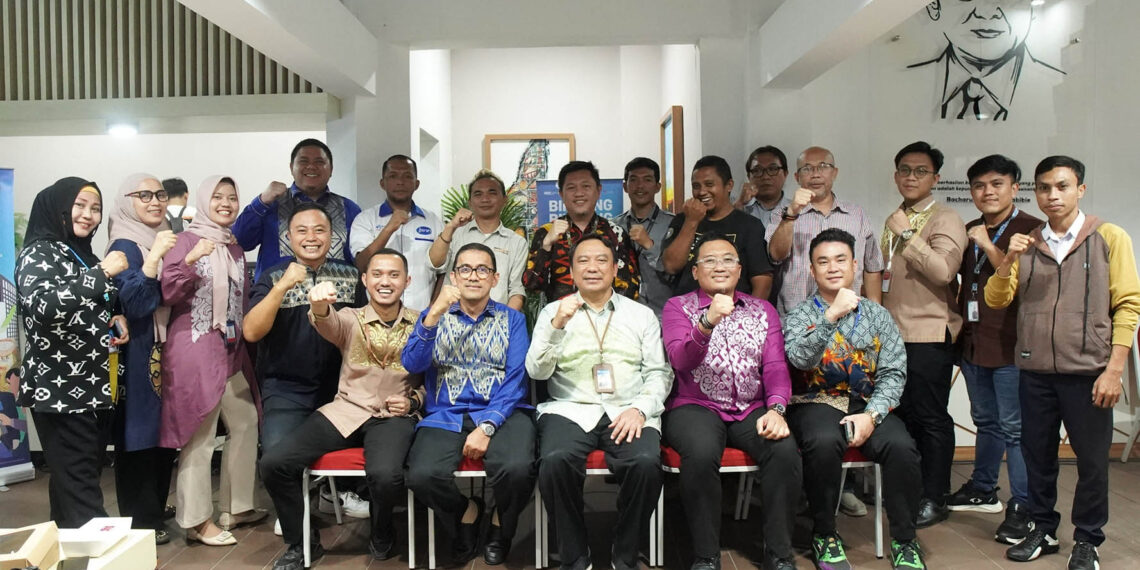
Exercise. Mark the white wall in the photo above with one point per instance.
(430, 95)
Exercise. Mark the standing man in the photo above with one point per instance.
(178, 213)
(710, 211)
(987, 342)
(399, 224)
(548, 264)
(601, 353)
(264, 223)
(814, 208)
(767, 169)
(1080, 302)
(471, 350)
(486, 196)
(923, 243)
(647, 224)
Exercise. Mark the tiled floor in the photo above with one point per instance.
(963, 542)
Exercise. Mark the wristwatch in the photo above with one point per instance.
(488, 428)
(875, 417)
(779, 409)
(907, 234)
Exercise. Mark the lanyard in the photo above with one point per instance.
(981, 259)
(648, 226)
(891, 241)
(847, 337)
(600, 339)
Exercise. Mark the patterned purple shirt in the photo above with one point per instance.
(734, 370)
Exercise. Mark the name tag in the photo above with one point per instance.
(972, 314)
(231, 332)
(887, 281)
(604, 382)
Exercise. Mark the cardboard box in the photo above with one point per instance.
(94, 538)
(36, 545)
(134, 552)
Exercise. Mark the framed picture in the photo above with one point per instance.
(673, 160)
(524, 159)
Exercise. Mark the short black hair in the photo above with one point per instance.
(642, 162)
(305, 207)
(720, 164)
(831, 235)
(485, 174)
(922, 147)
(997, 164)
(175, 187)
(415, 167)
(386, 251)
(766, 149)
(576, 166)
(475, 246)
(311, 142)
(588, 237)
(1061, 161)
(714, 236)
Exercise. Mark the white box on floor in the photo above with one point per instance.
(134, 552)
(93, 539)
(35, 545)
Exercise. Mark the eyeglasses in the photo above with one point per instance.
(769, 170)
(146, 195)
(713, 262)
(919, 173)
(822, 168)
(482, 271)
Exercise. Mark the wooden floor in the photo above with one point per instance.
(963, 542)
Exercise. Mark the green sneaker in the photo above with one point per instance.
(907, 554)
(829, 555)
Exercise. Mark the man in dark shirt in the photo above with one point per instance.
(710, 210)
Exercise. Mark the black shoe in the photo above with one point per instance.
(1036, 543)
(773, 563)
(168, 512)
(1015, 526)
(497, 548)
(466, 544)
(381, 549)
(712, 563)
(294, 557)
(583, 563)
(971, 498)
(1084, 557)
(161, 536)
(930, 513)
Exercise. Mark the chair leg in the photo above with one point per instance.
(431, 538)
(336, 500)
(656, 514)
(545, 534)
(1135, 432)
(661, 528)
(305, 530)
(878, 511)
(842, 481)
(738, 512)
(411, 529)
(748, 494)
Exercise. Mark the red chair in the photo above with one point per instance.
(855, 458)
(468, 468)
(344, 463)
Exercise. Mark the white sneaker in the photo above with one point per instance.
(850, 505)
(277, 527)
(350, 503)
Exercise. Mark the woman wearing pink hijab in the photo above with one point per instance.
(206, 370)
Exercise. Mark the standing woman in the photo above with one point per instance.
(206, 369)
(139, 231)
(66, 300)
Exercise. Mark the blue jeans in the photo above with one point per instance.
(996, 410)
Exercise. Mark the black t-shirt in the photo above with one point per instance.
(745, 231)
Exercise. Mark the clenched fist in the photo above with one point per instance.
(448, 296)
(398, 218)
(322, 294)
(114, 263)
(557, 228)
(274, 191)
(566, 309)
(638, 234)
(201, 249)
(720, 307)
(294, 274)
(163, 242)
(898, 223)
(800, 200)
(980, 235)
(694, 211)
(747, 192)
(845, 302)
(461, 217)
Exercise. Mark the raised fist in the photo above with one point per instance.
(566, 309)
(201, 249)
(638, 234)
(694, 210)
(323, 293)
(557, 228)
(1018, 244)
(979, 235)
(294, 274)
(800, 200)
(846, 301)
(274, 191)
(720, 307)
(163, 242)
(114, 263)
(461, 217)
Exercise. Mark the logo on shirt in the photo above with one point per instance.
(423, 231)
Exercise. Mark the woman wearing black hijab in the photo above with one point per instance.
(67, 300)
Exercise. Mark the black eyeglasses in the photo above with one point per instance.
(482, 271)
(146, 196)
(769, 170)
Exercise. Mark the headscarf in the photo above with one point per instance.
(124, 223)
(50, 218)
(220, 259)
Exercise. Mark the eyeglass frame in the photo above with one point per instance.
(809, 169)
(712, 262)
(916, 171)
(769, 170)
(465, 270)
(147, 195)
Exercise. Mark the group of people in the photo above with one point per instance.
(786, 327)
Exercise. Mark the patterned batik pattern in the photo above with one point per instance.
(552, 276)
(202, 305)
(474, 355)
(730, 373)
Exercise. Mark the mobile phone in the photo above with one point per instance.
(117, 329)
(849, 427)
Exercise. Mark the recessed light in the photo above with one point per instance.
(122, 130)
(1037, 3)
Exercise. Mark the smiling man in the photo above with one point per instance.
(767, 169)
(646, 223)
(710, 211)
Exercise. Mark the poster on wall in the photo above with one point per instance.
(15, 455)
(550, 204)
(521, 160)
(673, 160)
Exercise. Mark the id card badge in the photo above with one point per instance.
(887, 281)
(972, 314)
(231, 332)
(604, 378)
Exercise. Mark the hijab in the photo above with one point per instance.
(50, 218)
(124, 223)
(223, 263)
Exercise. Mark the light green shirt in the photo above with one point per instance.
(510, 257)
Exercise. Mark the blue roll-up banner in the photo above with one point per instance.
(550, 204)
(15, 454)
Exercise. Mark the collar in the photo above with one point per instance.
(370, 315)
(920, 206)
(760, 204)
(652, 215)
(703, 299)
(473, 226)
(489, 309)
(1070, 234)
(837, 204)
(386, 210)
(298, 194)
(611, 304)
(590, 226)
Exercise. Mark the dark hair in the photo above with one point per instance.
(995, 163)
(311, 142)
(175, 187)
(415, 167)
(387, 251)
(476, 246)
(1061, 161)
(720, 164)
(576, 166)
(714, 236)
(485, 174)
(588, 237)
(767, 149)
(305, 207)
(922, 147)
(642, 162)
(831, 235)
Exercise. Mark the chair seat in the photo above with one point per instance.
(470, 467)
(855, 455)
(596, 460)
(730, 459)
(351, 459)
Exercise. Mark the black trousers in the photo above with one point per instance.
(563, 447)
(1047, 401)
(142, 485)
(74, 446)
(823, 442)
(699, 435)
(924, 409)
(385, 441)
(509, 463)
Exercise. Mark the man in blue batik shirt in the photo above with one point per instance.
(472, 352)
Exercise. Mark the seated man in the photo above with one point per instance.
(602, 354)
(376, 407)
(727, 351)
(471, 350)
(852, 369)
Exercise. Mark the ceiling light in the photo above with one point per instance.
(122, 129)
(1037, 3)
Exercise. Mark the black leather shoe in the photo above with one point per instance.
(466, 544)
(712, 563)
(1084, 557)
(381, 549)
(773, 563)
(168, 512)
(161, 536)
(497, 548)
(1015, 526)
(930, 514)
(294, 557)
(1036, 543)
